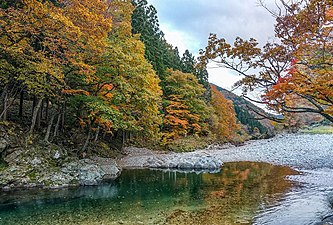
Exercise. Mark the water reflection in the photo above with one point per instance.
(234, 195)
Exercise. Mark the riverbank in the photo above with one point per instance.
(302, 151)
(272, 194)
(50, 167)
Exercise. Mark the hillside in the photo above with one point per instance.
(246, 114)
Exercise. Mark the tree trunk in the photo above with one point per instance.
(4, 104)
(41, 110)
(21, 104)
(87, 140)
(56, 128)
(39, 115)
(47, 135)
(63, 118)
(35, 115)
(33, 105)
(47, 109)
(97, 133)
(123, 138)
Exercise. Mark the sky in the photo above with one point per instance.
(188, 23)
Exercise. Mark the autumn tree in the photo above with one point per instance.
(45, 46)
(299, 66)
(123, 97)
(186, 112)
(224, 125)
(190, 65)
(34, 45)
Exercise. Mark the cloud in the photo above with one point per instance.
(179, 38)
(188, 23)
(227, 18)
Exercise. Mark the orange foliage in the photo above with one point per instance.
(179, 121)
(226, 127)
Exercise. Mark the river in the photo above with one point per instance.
(285, 180)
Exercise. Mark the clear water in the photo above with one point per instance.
(242, 193)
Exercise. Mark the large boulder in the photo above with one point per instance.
(184, 162)
(92, 171)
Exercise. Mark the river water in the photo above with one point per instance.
(241, 193)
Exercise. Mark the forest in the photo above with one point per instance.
(81, 73)
(86, 74)
(103, 121)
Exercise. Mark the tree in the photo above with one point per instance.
(298, 67)
(123, 95)
(45, 46)
(158, 52)
(188, 63)
(225, 127)
(137, 93)
(34, 45)
(186, 112)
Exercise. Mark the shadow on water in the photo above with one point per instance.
(242, 193)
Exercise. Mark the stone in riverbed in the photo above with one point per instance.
(183, 162)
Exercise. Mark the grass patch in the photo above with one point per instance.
(319, 130)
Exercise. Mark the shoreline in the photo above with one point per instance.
(298, 151)
(302, 151)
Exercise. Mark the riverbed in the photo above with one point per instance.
(284, 180)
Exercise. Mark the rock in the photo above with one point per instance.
(185, 165)
(11, 158)
(3, 145)
(56, 155)
(110, 172)
(91, 171)
(90, 175)
(109, 167)
(35, 162)
(183, 162)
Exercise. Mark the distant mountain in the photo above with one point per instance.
(245, 113)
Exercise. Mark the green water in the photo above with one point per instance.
(232, 196)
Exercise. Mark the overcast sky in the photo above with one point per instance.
(188, 23)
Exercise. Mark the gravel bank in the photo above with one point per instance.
(302, 151)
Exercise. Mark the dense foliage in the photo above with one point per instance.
(102, 69)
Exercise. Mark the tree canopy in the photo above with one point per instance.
(102, 70)
(296, 69)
